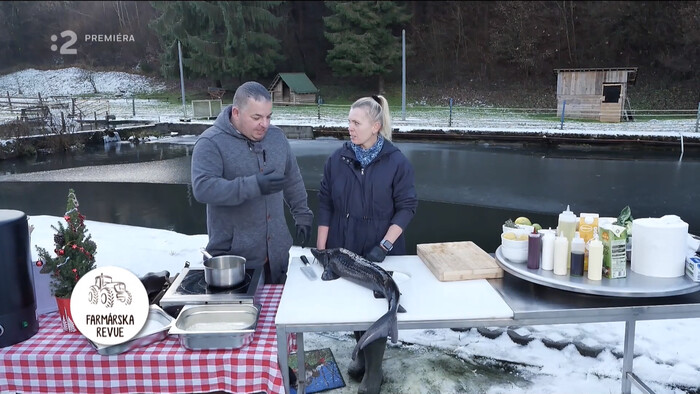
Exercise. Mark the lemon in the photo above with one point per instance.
(510, 236)
(522, 237)
(523, 220)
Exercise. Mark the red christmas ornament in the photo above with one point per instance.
(74, 270)
(39, 263)
(67, 218)
(61, 252)
(75, 246)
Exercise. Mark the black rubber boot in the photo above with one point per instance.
(374, 354)
(356, 369)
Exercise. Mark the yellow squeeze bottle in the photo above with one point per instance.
(567, 228)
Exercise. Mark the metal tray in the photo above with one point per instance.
(633, 285)
(156, 329)
(216, 326)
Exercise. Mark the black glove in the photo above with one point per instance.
(303, 232)
(270, 183)
(377, 254)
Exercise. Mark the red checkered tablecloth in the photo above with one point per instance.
(56, 361)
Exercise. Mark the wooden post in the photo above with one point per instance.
(40, 103)
(9, 102)
(63, 123)
(72, 100)
(133, 107)
(697, 119)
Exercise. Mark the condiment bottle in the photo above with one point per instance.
(587, 223)
(534, 249)
(561, 250)
(578, 248)
(548, 250)
(567, 227)
(595, 258)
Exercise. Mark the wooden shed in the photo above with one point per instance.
(293, 88)
(594, 93)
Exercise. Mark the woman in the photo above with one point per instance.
(366, 200)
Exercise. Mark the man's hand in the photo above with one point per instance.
(303, 232)
(377, 254)
(269, 182)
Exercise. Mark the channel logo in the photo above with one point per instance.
(70, 38)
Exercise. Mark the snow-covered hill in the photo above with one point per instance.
(75, 81)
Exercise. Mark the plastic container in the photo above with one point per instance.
(588, 224)
(595, 258)
(548, 250)
(567, 227)
(514, 250)
(534, 250)
(578, 249)
(561, 251)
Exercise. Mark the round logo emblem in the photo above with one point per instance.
(109, 305)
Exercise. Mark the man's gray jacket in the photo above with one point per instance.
(240, 220)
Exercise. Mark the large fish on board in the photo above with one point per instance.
(342, 263)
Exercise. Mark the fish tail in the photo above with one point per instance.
(384, 327)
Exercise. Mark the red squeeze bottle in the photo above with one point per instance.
(534, 249)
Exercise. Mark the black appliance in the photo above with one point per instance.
(17, 303)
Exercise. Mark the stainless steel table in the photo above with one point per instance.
(531, 304)
(534, 304)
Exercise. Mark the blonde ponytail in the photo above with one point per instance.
(377, 108)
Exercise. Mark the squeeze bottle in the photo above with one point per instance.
(587, 223)
(548, 251)
(566, 228)
(578, 248)
(595, 258)
(534, 250)
(561, 250)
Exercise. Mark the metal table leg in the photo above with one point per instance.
(282, 356)
(628, 376)
(301, 366)
(628, 357)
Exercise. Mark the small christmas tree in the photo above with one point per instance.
(74, 250)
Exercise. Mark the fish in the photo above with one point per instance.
(342, 263)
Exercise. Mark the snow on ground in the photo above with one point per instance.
(74, 82)
(115, 88)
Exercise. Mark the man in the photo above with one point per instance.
(243, 169)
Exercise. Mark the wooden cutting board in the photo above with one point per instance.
(450, 261)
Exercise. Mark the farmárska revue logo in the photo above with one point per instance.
(109, 305)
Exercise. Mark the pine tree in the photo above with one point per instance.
(362, 37)
(74, 251)
(220, 39)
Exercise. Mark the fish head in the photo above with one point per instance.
(322, 256)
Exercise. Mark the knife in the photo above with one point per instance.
(307, 269)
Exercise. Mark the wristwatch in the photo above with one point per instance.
(386, 245)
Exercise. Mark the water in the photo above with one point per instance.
(466, 190)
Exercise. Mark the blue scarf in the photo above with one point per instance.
(365, 156)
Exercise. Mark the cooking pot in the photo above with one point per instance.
(223, 271)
